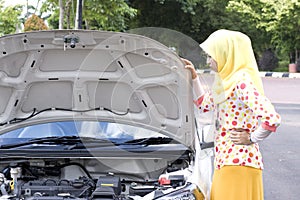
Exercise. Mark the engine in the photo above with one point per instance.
(52, 179)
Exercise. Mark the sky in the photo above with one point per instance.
(14, 2)
(22, 2)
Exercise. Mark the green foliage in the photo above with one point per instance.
(246, 15)
(283, 66)
(168, 22)
(203, 17)
(112, 15)
(187, 6)
(271, 24)
(52, 6)
(167, 14)
(9, 18)
(278, 18)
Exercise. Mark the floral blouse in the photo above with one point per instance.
(245, 108)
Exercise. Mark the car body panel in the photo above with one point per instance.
(94, 75)
(98, 115)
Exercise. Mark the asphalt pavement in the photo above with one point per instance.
(281, 153)
(277, 88)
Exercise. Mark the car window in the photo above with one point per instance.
(94, 129)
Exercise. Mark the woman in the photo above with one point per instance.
(244, 116)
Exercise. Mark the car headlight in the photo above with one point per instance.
(189, 192)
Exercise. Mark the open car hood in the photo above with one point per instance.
(106, 76)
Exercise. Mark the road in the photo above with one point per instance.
(278, 90)
(281, 151)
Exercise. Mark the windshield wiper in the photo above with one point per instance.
(65, 140)
(150, 141)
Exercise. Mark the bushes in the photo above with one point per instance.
(283, 66)
(298, 65)
(35, 23)
(268, 61)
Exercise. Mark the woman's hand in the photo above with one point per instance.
(240, 137)
(189, 65)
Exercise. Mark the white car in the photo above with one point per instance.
(97, 115)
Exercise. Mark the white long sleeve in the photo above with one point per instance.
(260, 134)
(197, 87)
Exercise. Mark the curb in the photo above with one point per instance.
(280, 74)
(262, 74)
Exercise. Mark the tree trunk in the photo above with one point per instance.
(61, 14)
(68, 13)
(78, 20)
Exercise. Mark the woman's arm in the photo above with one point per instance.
(203, 100)
(189, 65)
(261, 106)
(243, 137)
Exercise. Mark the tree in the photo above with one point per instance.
(278, 18)
(197, 19)
(59, 9)
(61, 15)
(9, 19)
(286, 27)
(112, 15)
(243, 16)
(169, 22)
(176, 15)
(34, 23)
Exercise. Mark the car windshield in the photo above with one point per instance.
(91, 129)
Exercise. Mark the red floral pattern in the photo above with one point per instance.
(242, 109)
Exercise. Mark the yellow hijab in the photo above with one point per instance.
(233, 53)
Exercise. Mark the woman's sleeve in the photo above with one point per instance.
(259, 104)
(203, 99)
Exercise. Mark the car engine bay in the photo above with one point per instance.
(90, 178)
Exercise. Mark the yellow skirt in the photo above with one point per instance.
(237, 183)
